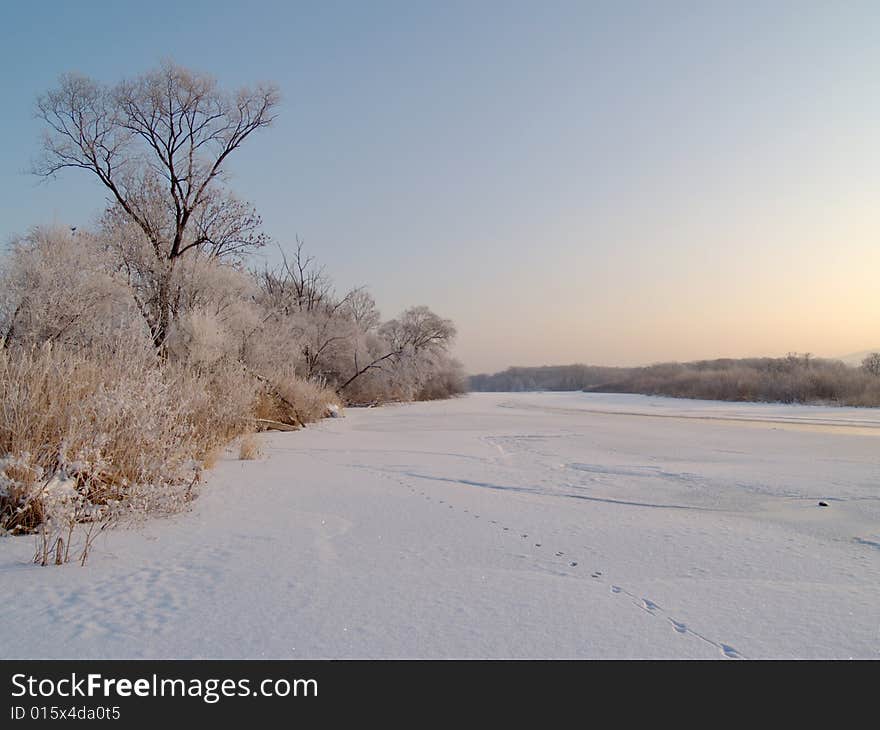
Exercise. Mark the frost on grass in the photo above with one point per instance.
(92, 439)
(249, 448)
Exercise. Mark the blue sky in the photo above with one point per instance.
(569, 181)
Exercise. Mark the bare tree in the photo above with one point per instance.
(361, 307)
(297, 284)
(298, 294)
(158, 143)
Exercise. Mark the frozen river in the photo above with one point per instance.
(496, 525)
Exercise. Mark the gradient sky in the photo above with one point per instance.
(604, 182)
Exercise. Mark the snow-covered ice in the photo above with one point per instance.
(495, 525)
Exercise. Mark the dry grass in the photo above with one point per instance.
(114, 425)
(210, 459)
(89, 432)
(311, 399)
(288, 399)
(249, 448)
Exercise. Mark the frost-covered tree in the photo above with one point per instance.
(55, 288)
(215, 310)
(341, 341)
(159, 143)
(871, 364)
(405, 345)
(321, 328)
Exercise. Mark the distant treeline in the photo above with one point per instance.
(792, 379)
(548, 377)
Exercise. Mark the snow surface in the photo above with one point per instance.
(495, 525)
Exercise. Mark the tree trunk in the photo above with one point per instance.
(163, 315)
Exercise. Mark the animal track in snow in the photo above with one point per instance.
(646, 604)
